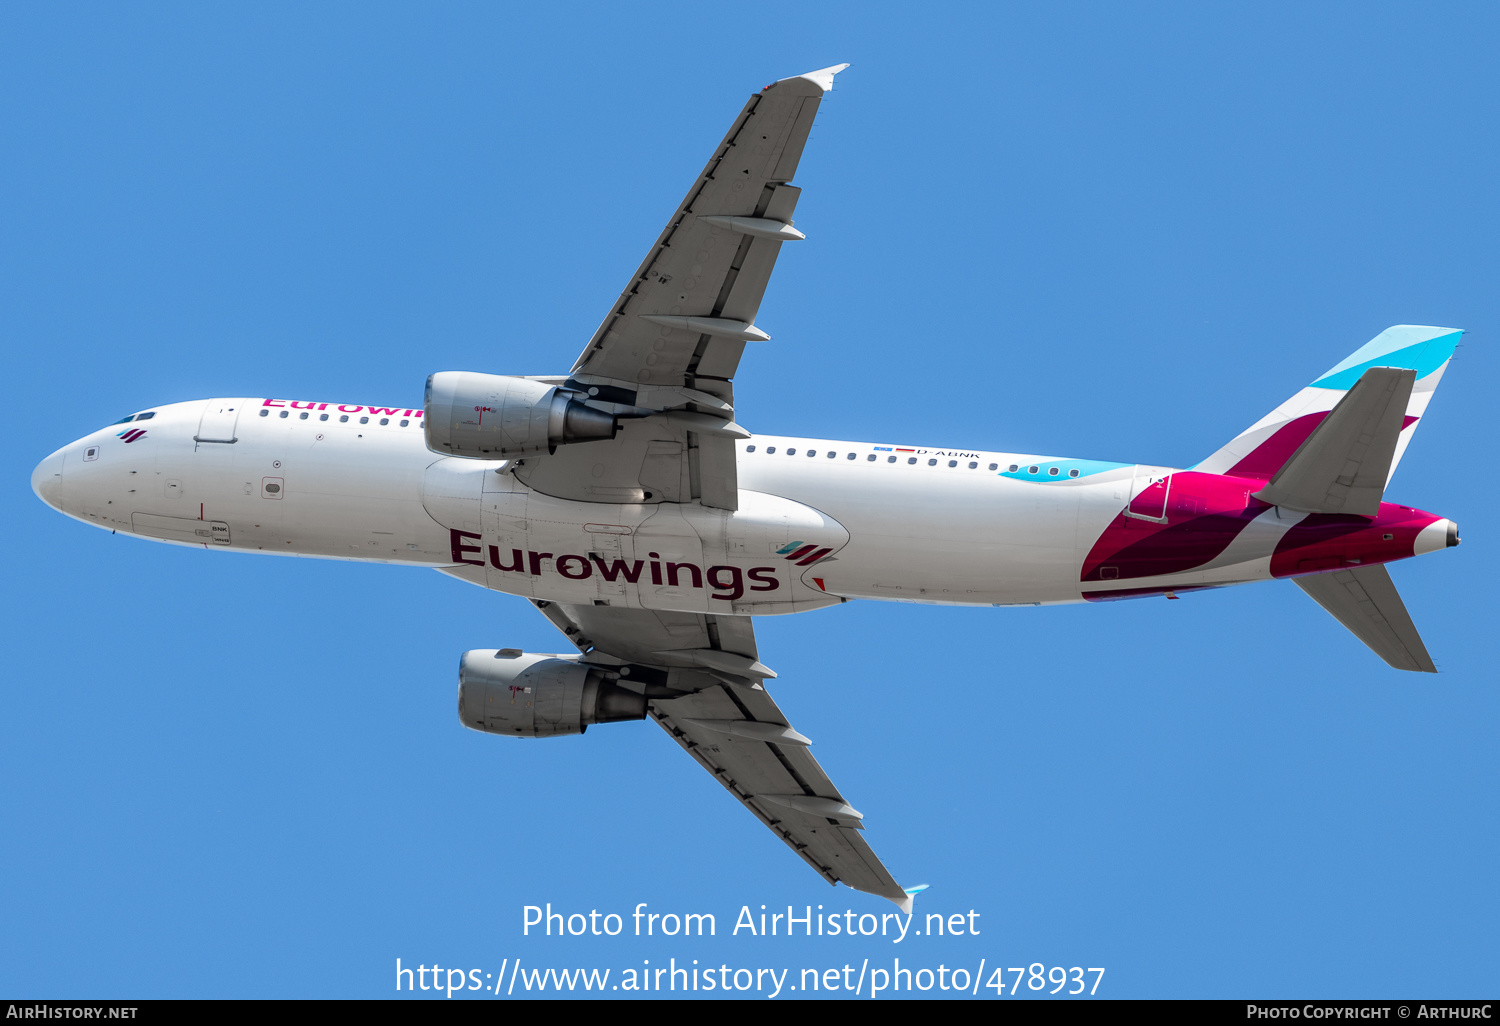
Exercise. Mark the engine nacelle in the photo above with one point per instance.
(524, 694)
(494, 415)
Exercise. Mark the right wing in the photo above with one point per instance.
(731, 726)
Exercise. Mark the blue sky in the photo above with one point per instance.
(1118, 232)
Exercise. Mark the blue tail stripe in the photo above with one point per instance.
(1421, 349)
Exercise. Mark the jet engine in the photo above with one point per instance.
(492, 415)
(523, 694)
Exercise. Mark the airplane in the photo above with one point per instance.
(625, 502)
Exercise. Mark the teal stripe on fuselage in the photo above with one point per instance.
(1064, 470)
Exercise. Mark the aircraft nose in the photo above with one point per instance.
(46, 479)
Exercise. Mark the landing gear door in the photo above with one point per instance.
(220, 418)
(1149, 495)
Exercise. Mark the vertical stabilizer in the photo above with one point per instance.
(1262, 449)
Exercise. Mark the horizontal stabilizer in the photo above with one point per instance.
(1344, 464)
(1365, 600)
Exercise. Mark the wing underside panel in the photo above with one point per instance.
(673, 340)
(692, 303)
(733, 728)
(768, 777)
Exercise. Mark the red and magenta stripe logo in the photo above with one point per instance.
(802, 554)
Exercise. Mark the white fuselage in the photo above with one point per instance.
(905, 524)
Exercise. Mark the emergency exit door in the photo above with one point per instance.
(1149, 496)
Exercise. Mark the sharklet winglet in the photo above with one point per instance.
(822, 78)
(906, 904)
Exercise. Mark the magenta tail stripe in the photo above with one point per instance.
(1268, 456)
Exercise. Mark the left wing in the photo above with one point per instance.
(704, 672)
(673, 339)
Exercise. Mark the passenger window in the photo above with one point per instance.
(871, 457)
(344, 419)
(302, 415)
(384, 421)
(406, 422)
(911, 459)
(770, 449)
(932, 463)
(890, 459)
(1013, 467)
(1032, 470)
(748, 448)
(953, 463)
(322, 416)
(833, 455)
(851, 455)
(973, 465)
(791, 452)
(1073, 473)
(364, 420)
(265, 413)
(995, 466)
(813, 452)
(1053, 471)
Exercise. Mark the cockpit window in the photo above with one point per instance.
(126, 420)
(145, 416)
